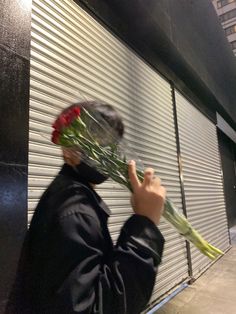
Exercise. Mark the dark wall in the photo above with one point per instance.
(227, 151)
(183, 40)
(194, 30)
(15, 20)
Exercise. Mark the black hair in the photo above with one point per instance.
(108, 113)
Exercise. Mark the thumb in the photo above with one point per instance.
(135, 183)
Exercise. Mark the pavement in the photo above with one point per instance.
(212, 293)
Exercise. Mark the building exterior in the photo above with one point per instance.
(226, 10)
(156, 64)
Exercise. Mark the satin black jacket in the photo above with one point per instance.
(69, 263)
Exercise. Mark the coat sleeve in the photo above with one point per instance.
(120, 282)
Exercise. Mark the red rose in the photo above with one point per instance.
(68, 119)
(72, 114)
(55, 137)
(76, 111)
(63, 121)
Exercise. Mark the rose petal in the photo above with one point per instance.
(55, 137)
(77, 111)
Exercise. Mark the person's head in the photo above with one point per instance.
(108, 114)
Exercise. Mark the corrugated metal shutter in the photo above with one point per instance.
(73, 55)
(202, 179)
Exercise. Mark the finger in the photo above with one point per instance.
(162, 191)
(148, 176)
(156, 181)
(135, 183)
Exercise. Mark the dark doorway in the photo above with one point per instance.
(228, 152)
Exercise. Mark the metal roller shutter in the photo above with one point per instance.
(202, 179)
(73, 57)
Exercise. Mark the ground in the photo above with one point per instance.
(213, 292)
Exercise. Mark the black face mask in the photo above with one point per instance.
(89, 173)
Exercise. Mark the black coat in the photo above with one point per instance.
(69, 264)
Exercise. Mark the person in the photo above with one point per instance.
(69, 263)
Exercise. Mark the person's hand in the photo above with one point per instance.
(71, 156)
(148, 196)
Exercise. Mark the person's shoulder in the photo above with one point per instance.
(72, 198)
(64, 198)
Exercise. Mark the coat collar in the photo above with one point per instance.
(68, 171)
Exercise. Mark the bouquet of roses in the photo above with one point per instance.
(83, 129)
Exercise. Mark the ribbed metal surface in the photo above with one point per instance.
(73, 57)
(202, 179)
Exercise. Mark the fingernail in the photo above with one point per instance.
(132, 162)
